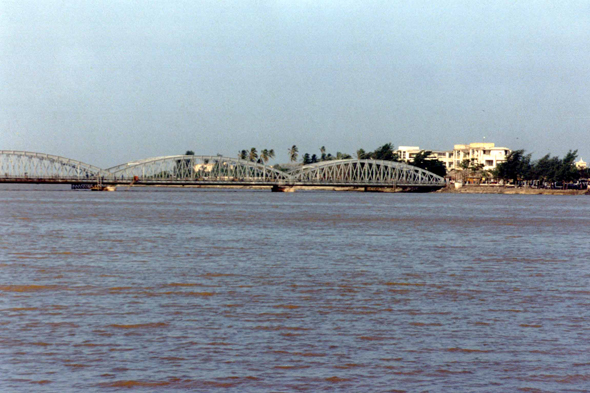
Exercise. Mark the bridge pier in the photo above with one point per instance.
(277, 188)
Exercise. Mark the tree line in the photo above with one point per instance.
(385, 152)
(547, 169)
(518, 167)
(253, 156)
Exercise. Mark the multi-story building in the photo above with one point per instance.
(407, 153)
(483, 153)
(445, 156)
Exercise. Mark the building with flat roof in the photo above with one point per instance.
(407, 153)
(483, 153)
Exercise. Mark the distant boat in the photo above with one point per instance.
(100, 187)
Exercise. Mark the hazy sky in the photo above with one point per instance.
(108, 82)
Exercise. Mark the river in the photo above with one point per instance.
(249, 291)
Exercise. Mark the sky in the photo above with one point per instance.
(107, 82)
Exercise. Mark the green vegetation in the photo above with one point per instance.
(519, 167)
(252, 155)
(385, 153)
(435, 166)
(266, 155)
(293, 152)
(472, 168)
(182, 167)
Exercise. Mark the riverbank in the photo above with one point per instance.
(493, 189)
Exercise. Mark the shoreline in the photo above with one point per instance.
(478, 189)
(466, 189)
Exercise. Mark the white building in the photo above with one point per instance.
(581, 164)
(407, 153)
(482, 153)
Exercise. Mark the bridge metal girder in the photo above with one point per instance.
(31, 165)
(195, 168)
(181, 169)
(365, 172)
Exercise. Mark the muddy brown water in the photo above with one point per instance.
(246, 291)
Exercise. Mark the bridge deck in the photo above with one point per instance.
(39, 168)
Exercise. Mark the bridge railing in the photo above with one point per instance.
(30, 165)
(192, 169)
(365, 172)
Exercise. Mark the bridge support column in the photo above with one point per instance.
(283, 188)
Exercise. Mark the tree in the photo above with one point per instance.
(517, 166)
(253, 155)
(183, 167)
(464, 165)
(435, 166)
(475, 167)
(361, 154)
(545, 168)
(293, 153)
(243, 155)
(384, 152)
(567, 171)
(314, 158)
(306, 159)
(323, 153)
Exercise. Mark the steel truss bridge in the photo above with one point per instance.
(30, 167)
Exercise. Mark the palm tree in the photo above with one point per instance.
(242, 155)
(476, 168)
(253, 155)
(293, 153)
(264, 156)
(323, 152)
(271, 153)
(360, 154)
(306, 159)
(464, 165)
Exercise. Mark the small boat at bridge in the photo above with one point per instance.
(100, 187)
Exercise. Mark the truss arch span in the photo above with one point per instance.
(366, 173)
(197, 168)
(31, 165)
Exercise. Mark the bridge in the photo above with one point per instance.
(197, 170)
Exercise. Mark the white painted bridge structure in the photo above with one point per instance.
(30, 167)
